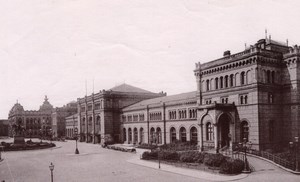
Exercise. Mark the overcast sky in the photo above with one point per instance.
(50, 47)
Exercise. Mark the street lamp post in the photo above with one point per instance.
(30, 133)
(76, 138)
(244, 146)
(50, 133)
(41, 134)
(51, 167)
(158, 157)
(294, 147)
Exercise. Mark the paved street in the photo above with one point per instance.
(97, 164)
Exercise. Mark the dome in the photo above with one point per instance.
(46, 105)
(17, 108)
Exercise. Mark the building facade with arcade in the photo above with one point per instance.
(252, 95)
(99, 113)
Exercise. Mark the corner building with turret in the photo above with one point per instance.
(252, 95)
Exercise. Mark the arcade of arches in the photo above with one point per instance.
(215, 133)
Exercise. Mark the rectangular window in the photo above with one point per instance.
(82, 109)
(135, 117)
(90, 107)
(97, 106)
(123, 118)
(129, 118)
(142, 117)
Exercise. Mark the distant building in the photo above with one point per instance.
(99, 114)
(59, 118)
(36, 122)
(4, 127)
(71, 124)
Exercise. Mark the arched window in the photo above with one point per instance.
(231, 82)
(244, 131)
(268, 76)
(194, 135)
(273, 77)
(209, 131)
(129, 135)
(141, 135)
(243, 78)
(90, 120)
(98, 120)
(182, 134)
(226, 81)
(135, 136)
(207, 85)
(152, 137)
(158, 133)
(221, 82)
(124, 134)
(173, 135)
(217, 83)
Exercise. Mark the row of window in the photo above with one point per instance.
(155, 116)
(232, 80)
(243, 99)
(90, 121)
(226, 81)
(97, 106)
(134, 117)
(156, 135)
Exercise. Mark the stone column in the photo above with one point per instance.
(201, 138)
(216, 137)
(127, 136)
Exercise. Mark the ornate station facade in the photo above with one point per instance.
(36, 122)
(253, 94)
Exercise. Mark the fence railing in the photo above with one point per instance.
(274, 158)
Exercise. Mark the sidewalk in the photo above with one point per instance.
(187, 172)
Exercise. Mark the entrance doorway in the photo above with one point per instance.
(224, 130)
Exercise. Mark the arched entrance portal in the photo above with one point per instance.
(224, 130)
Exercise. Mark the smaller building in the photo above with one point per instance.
(4, 127)
(71, 124)
(59, 115)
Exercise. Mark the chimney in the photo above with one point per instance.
(226, 53)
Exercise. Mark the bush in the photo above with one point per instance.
(150, 155)
(232, 166)
(169, 155)
(214, 160)
(192, 157)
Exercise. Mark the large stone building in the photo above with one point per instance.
(36, 122)
(58, 117)
(71, 125)
(99, 113)
(253, 94)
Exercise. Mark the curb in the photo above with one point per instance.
(199, 174)
(284, 168)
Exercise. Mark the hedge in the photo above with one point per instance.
(232, 166)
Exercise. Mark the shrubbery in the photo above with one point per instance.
(227, 165)
(232, 166)
(150, 155)
(192, 157)
(214, 160)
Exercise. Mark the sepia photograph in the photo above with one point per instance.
(149, 91)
